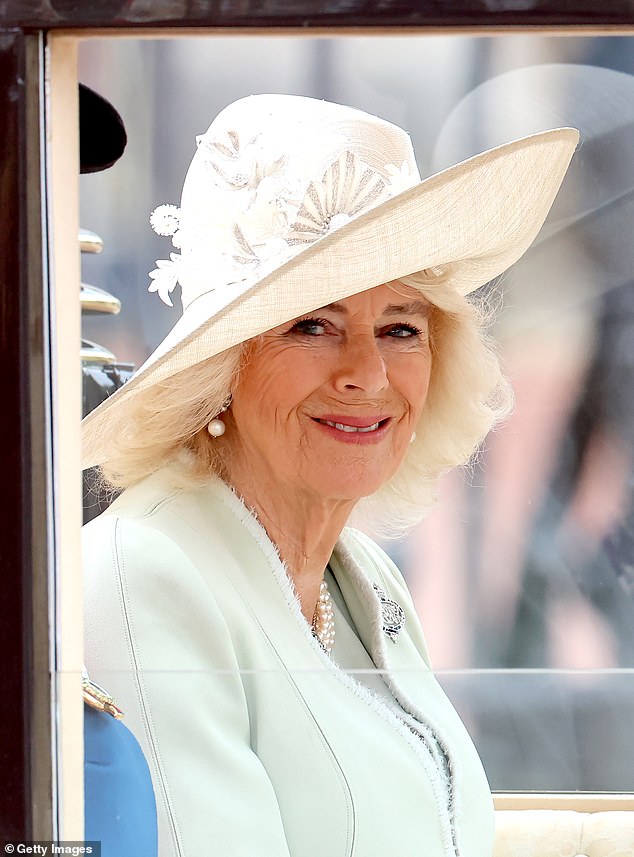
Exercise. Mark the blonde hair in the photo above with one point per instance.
(161, 421)
(467, 396)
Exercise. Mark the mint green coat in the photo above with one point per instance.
(258, 743)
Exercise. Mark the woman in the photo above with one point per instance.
(326, 364)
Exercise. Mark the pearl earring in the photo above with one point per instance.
(217, 427)
(411, 440)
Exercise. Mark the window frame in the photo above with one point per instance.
(41, 333)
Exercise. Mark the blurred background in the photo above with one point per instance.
(523, 575)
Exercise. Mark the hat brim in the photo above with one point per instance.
(478, 217)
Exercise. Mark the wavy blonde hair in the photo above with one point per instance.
(467, 396)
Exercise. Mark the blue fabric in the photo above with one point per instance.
(120, 810)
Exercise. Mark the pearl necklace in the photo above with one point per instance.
(323, 625)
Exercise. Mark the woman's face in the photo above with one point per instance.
(327, 403)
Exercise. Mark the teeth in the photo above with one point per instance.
(343, 427)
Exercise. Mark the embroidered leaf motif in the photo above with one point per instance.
(240, 165)
(230, 151)
(250, 256)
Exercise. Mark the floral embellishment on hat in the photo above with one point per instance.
(262, 206)
(400, 178)
(241, 166)
(164, 220)
(348, 187)
(165, 277)
(273, 205)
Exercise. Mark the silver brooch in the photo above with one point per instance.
(393, 614)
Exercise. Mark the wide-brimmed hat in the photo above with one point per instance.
(291, 203)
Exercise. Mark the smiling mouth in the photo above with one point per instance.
(353, 429)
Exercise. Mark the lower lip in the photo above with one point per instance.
(357, 438)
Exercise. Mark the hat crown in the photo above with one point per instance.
(272, 175)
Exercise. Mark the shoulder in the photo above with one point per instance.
(162, 521)
(125, 551)
(150, 556)
(154, 585)
(149, 500)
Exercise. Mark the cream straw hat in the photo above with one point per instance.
(291, 203)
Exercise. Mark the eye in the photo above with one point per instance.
(402, 331)
(310, 326)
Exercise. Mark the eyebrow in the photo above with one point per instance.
(411, 308)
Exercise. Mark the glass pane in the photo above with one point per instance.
(523, 573)
(549, 730)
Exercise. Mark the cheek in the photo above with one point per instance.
(414, 384)
(261, 377)
(270, 390)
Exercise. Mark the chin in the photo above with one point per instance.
(350, 478)
(352, 489)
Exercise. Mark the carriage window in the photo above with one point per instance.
(523, 575)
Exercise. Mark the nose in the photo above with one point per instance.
(361, 366)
